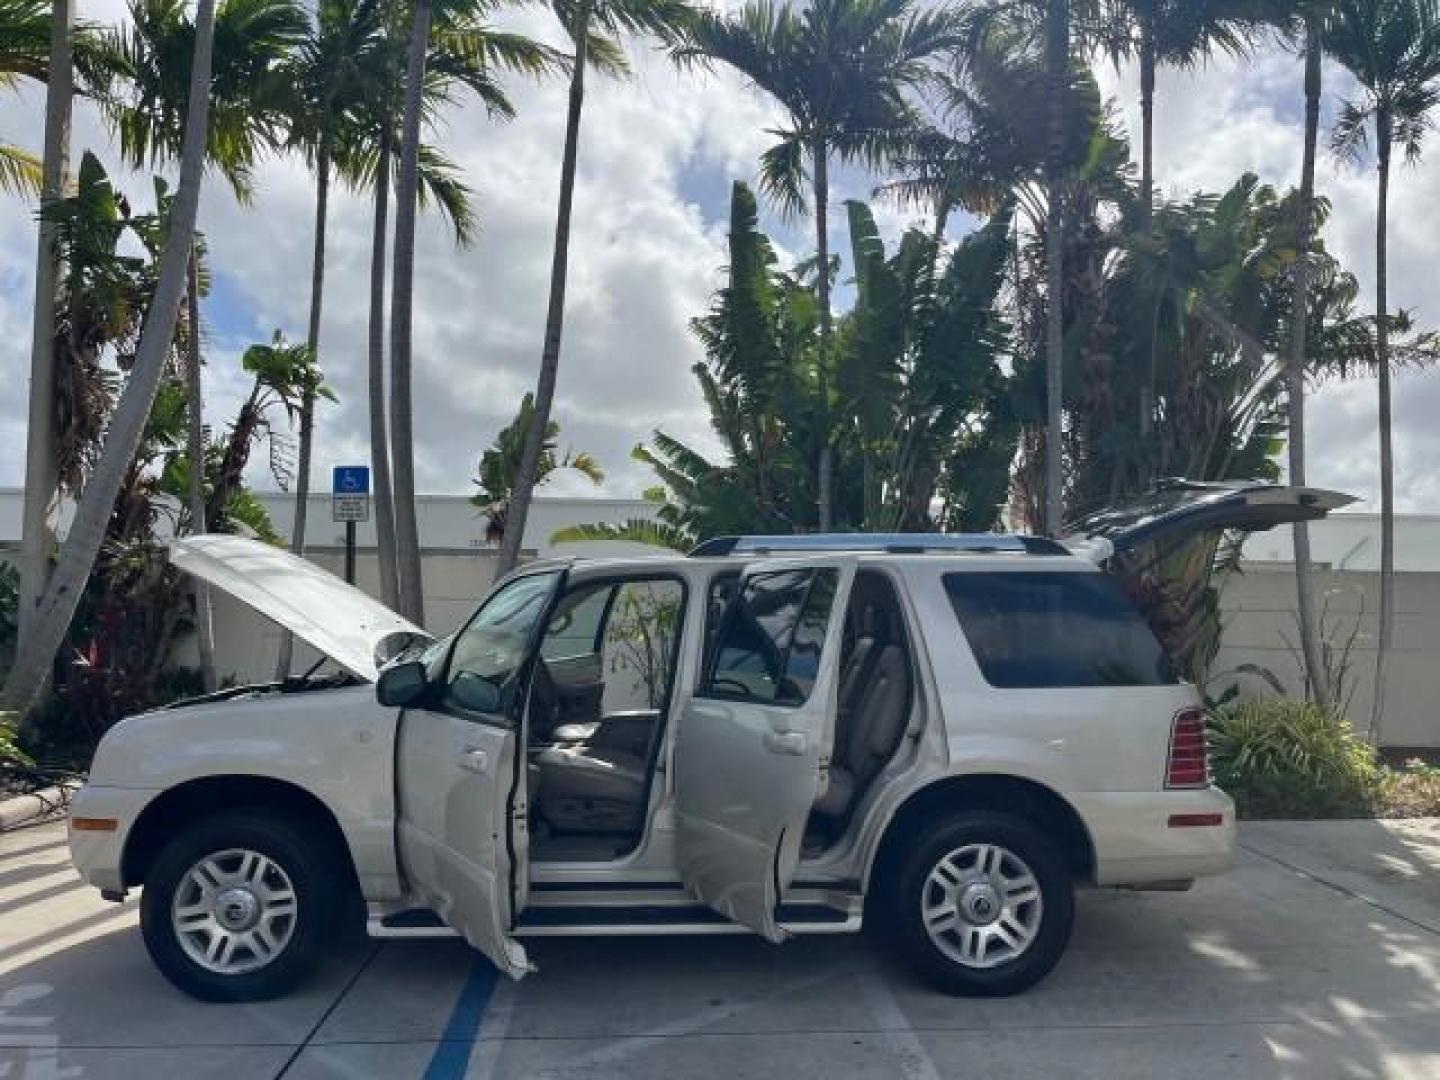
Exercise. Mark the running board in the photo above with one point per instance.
(620, 922)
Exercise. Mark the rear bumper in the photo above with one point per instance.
(1143, 837)
(98, 853)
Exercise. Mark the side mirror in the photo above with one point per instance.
(401, 685)
(476, 693)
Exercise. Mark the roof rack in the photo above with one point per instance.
(888, 543)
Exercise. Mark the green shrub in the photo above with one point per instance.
(10, 753)
(1285, 758)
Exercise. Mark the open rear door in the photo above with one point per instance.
(753, 744)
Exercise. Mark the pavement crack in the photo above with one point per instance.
(330, 1009)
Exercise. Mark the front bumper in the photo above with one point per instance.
(98, 854)
(1136, 842)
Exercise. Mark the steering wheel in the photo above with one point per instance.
(732, 686)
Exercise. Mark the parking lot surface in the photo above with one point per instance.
(1319, 956)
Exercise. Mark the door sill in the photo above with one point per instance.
(420, 923)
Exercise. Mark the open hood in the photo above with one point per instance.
(355, 630)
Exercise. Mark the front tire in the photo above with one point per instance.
(240, 906)
(982, 904)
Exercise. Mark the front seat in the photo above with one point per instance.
(590, 790)
(874, 731)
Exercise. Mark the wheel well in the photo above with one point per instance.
(187, 803)
(1035, 803)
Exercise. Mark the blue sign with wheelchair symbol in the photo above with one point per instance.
(351, 480)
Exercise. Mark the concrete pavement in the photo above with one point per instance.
(1319, 956)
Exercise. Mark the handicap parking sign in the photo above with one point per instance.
(350, 493)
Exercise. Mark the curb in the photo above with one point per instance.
(23, 809)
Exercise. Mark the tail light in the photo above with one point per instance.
(1187, 765)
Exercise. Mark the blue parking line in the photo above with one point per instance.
(452, 1056)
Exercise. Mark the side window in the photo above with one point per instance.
(770, 641)
(1032, 630)
(574, 629)
(487, 662)
(638, 648)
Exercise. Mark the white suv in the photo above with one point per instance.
(939, 735)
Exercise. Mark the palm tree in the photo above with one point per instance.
(842, 71)
(1392, 48)
(333, 73)
(82, 544)
(1179, 33)
(149, 66)
(468, 55)
(1057, 75)
(495, 478)
(594, 27)
(27, 51)
(1312, 21)
(22, 32)
(463, 55)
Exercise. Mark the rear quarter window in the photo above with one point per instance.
(1033, 630)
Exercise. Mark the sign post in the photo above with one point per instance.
(350, 502)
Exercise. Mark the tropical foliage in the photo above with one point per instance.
(495, 478)
(1046, 335)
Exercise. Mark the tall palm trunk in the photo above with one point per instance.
(77, 556)
(1147, 119)
(1057, 58)
(525, 475)
(1315, 678)
(379, 425)
(1384, 142)
(195, 451)
(407, 532)
(42, 483)
(307, 401)
(825, 466)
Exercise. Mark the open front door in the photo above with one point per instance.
(461, 777)
(753, 744)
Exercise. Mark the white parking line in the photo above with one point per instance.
(915, 1060)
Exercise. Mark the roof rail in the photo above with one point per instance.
(889, 543)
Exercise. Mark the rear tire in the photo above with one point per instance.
(980, 904)
(241, 906)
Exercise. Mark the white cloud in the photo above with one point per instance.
(657, 155)
(1235, 116)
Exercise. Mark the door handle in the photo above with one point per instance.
(785, 742)
(474, 759)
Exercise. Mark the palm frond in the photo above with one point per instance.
(634, 531)
(20, 172)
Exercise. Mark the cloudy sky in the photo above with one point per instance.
(658, 154)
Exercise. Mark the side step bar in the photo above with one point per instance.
(620, 922)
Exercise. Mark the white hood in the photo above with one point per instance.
(357, 631)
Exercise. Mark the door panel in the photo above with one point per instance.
(455, 783)
(462, 793)
(753, 743)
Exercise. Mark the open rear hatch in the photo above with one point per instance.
(1164, 547)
